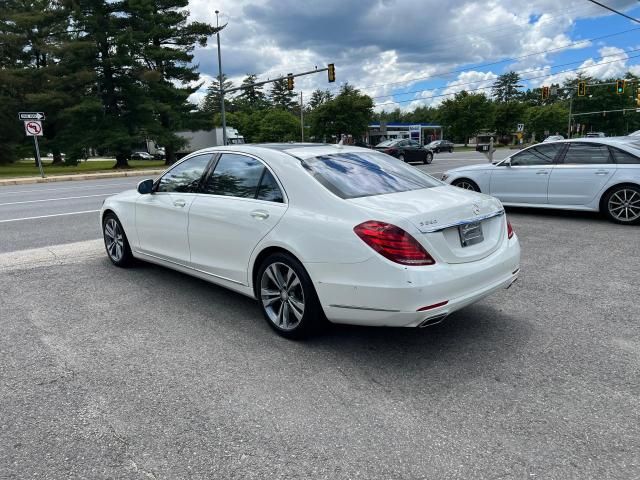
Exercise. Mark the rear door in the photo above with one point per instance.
(581, 174)
(239, 203)
(526, 178)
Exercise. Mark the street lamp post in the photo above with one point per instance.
(222, 113)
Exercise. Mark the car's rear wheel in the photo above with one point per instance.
(428, 158)
(287, 297)
(622, 205)
(115, 241)
(451, 150)
(466, 184)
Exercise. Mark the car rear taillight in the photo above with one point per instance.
(390, 151)
(510, 231)
(393, 243)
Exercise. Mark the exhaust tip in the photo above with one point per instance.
(431, 321)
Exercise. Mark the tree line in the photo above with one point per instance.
(469, 113)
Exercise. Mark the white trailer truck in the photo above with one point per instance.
(198, 139)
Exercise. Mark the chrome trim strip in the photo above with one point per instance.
(479, 218)
(190, 268)
(353, 307)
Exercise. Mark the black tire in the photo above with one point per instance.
(119, 252)
(401, 157)
(437, 150)
(620, 202)
(312, 318)
(451, 150)
(428, 158)
(466, 184)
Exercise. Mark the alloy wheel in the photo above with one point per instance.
(466, 185)
(282, 296)
(624, 205)
(114, 239)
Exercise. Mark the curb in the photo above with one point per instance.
(79, 176)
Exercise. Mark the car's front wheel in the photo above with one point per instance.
(622, 204)
(466, 184)
(115, 241)
(287, 297)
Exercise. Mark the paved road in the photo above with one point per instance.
(147, 373)
(39, 215)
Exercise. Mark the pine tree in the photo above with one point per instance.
(281, 97)
(318, 97)
(211, 102)
(506, 87)
(251, 97)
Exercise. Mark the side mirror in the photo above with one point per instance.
(145, 186)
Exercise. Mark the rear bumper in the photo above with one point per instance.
(379, 293)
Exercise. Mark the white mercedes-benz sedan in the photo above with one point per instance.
(318, 232)
(599, 174)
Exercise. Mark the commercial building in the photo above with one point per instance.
(420, 132)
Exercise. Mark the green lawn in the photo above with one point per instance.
(27, 168)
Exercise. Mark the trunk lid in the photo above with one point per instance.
(438, 213)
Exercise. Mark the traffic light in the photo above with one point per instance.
(582, 89)
(620, 84)
(289, 81)
(545, 93)
(331, 72)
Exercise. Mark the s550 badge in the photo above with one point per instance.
(426, 223)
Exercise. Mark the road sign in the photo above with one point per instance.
(520, 127)
(30, 116)
(33, 128)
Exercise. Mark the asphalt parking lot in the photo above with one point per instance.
(148, 373)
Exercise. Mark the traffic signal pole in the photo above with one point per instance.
(570, 110)
(284, 77)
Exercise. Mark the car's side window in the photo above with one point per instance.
(269, 189)
(234, 176)
(587, 154)
(623, 157)
(184, 177)
(540, 155)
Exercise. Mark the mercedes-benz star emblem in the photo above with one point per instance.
(476, 209)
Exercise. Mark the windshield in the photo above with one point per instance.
(386, 143)
(364, 174)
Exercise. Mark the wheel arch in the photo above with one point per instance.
(610, 189)
(264, 253)
(466, 179)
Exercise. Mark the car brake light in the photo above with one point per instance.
(393, 243)
(390, 150)
(510, 231)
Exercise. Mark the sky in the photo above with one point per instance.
(411, 53)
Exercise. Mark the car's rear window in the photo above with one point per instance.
(363, 174)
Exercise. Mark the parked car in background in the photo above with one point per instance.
(595, 135)
(406, 150)
(317, 232)
(441, 146)
(580, 174)
(141, 156)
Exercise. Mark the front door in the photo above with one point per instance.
(580, 176)
(526, 178)
(240, 202)
(162, 216)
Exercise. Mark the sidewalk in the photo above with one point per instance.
(80, 176)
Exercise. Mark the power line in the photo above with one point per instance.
(488, 87)
(520, 72)
(615, 11)
(474, 67)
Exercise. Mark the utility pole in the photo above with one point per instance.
(222, 113)
(570, 111)
(301, 119)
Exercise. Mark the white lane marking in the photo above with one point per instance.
(86, 187)
(47, 216)
(60, 198)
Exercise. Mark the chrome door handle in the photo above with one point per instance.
(179, 203)
(542, 172)
(260, 214)
(602, 172)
